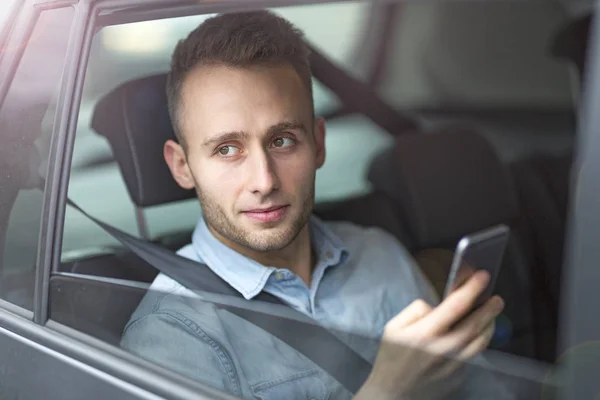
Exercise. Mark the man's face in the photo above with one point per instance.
(252, 150)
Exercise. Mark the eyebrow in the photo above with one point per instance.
(224, 137)
(241, 135)
(285, 126)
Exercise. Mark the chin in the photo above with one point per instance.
(271, 239)
(259, 237)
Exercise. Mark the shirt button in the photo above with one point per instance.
(329, 255)
(278, 276)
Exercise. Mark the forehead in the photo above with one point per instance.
(220, 98)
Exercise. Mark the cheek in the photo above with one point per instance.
(217, 182)
(296, 173)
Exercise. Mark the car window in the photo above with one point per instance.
(428, 191)
(27, 116)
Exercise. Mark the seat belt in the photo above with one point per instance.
(315, 342)
(359, 96)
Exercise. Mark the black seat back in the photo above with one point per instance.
(445, 184)
(135, 120)
(374, 209)
(450, 183)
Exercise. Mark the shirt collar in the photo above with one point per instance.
(248, 276)
(329, 248)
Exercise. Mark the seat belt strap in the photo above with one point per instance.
(315, 342)
(359, 96)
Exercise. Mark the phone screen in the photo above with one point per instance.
(480, 251)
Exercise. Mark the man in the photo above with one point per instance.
(240, 99)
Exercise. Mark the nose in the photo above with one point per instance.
(262, 178)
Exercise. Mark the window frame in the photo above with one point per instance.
(45, 254)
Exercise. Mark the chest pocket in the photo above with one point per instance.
(306, 385)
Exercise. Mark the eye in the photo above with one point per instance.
(283, 142)
(228, 151)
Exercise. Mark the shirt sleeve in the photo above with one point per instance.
(172, 341)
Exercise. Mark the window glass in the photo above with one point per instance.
(433, 192)
(26, 117)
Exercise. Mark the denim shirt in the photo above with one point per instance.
(362, 278)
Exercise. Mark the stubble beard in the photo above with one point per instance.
(266, 240)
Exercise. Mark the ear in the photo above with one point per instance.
(177, 162)
(319, 133)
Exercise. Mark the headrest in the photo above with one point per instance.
(446, 184)
(135, 120)
(571, 41)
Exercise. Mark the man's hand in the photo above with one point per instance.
(421, 345)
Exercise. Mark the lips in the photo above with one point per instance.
(270, 214)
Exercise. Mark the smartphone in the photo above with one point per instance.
(482, 250)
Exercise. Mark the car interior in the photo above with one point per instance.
(460, 118)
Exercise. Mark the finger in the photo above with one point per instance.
(455, 306)
(470, 328)
(411, 314)
(478, 345)
(452, 363)
(478, 321)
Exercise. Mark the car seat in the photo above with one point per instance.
(449, 183)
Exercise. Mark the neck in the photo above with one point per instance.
(296, 256)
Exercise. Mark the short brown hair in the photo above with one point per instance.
(237, 39)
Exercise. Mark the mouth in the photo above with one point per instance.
(270, 214)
